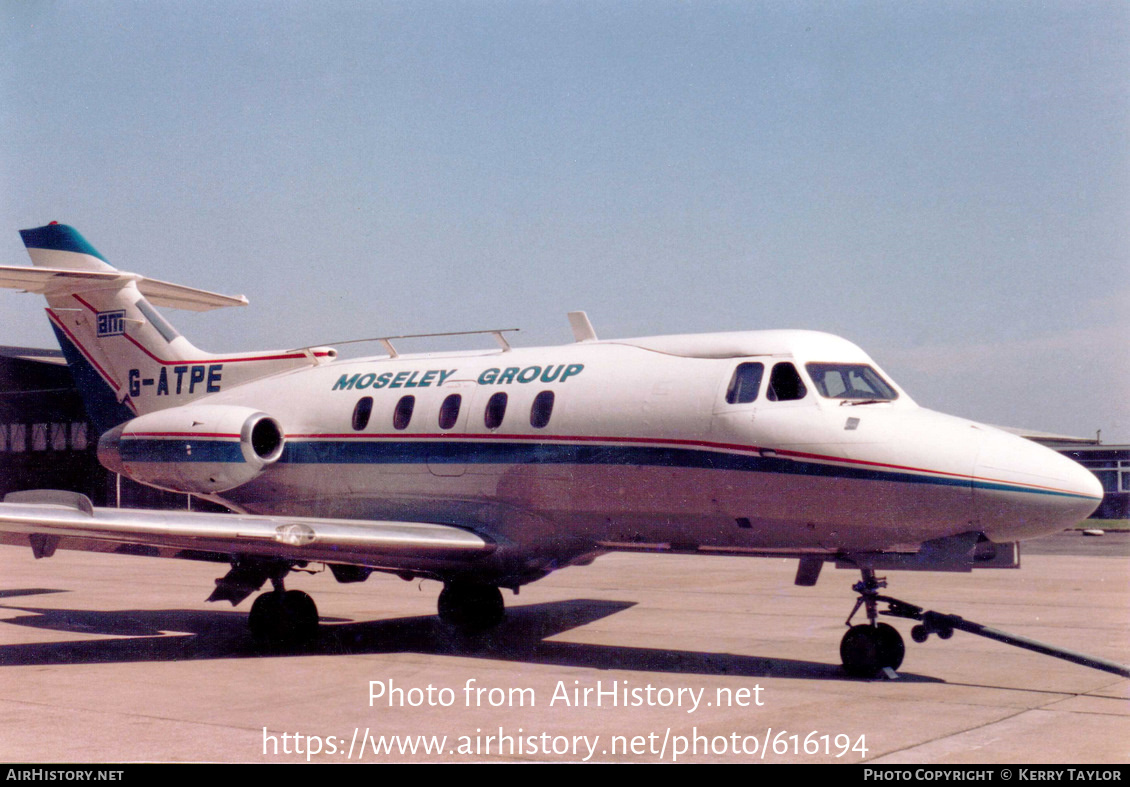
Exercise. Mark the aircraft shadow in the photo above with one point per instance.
(183, 635)
(29, 592)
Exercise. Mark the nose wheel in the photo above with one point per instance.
(869, 648)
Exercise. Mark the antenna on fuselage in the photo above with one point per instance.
(582, 327)
(386, 341)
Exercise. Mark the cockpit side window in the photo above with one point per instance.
(745, 383)
(785, 384)
(850, 381)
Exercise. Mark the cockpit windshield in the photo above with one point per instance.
(850, 381)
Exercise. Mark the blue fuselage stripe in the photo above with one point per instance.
(348, 452)
(142, 449)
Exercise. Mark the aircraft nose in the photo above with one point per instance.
(1022, 489)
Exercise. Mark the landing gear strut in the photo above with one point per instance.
(283, 617)
(869, 648)
(470, 607)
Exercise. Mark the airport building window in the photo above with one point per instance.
(402, 416)
(542, 410)
(785, 384)
(1109, 480)
(745, 383)
(496, 411)
(449, 411)
(362, 412)
(39, 437)
(78, 435)
(58, 437)
(17, 437)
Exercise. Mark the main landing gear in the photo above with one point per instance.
(869, 648)
(471, 607)
(286, 618)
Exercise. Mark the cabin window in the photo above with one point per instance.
(362, 412)
(785, 384)
(496, 411)
(402, 416)
(541, 410)
(449, 411)
(745, 383)
(849, 381)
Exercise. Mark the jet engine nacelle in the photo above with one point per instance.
(196, 448)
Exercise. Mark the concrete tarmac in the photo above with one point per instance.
(637, 658)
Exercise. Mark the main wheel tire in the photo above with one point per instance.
(866, 649)
(287, 618)
(470, 607)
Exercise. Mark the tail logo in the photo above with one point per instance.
(111, 323)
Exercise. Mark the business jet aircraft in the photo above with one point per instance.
(490, 469)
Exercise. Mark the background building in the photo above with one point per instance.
(46, 441)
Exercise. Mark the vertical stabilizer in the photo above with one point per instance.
(127, 359)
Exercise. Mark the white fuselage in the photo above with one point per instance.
(646, 444)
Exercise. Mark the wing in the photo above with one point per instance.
(48, 520)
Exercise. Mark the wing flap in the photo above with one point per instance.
(69, 519)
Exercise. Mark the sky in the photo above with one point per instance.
(945, 184)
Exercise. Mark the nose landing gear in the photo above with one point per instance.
(869, 648)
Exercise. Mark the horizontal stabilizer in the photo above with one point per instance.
(162, 293)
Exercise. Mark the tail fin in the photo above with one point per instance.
(126, 358)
